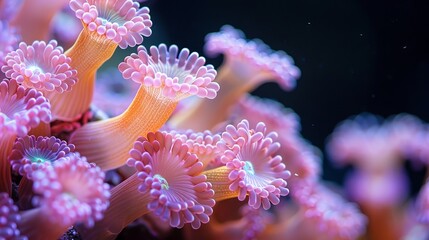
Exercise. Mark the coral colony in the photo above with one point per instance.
(167, 144)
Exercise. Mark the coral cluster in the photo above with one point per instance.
(167, 141)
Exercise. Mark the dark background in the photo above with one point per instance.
(355, 55)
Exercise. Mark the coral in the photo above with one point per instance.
(73, 189)
(164, 145)
(120, 23)
(8, 40)
(258, 59)
(166, 76)
(179, 195)
(33, 19)
(250, 168)
(41, 65)
(70, 191)
(20, 110)
(361, 139)
(246, 66)
(329, 213)
(168, 182)
(30, 154)
(302, 159)
(9, 217)
(177, 74)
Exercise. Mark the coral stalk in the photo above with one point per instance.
(106, 25)
(218, 177)
(125, 198)
(211, 112)
(146, 113)
(34, 224)
(6, 144)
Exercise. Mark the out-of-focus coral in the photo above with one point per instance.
(8, 41)
(9, 217)
(254, 61)
(327, 212)
(33, 19)
(71, 191)
(113, 94)
(372, 145)
(66, 36)
(377, 151)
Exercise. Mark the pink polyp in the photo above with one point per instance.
(72, 190)
(134, 22)
(41, 66)
(154, 69)
(178, 190)
(31, 153)
(257, 61)
(252, 170)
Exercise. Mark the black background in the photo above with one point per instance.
(355, 56)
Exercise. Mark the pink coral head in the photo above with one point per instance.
(370, 143)
(180, 193)
(253, 58)
(254, 170)
(9, 217)
(72, 191)
(32, 153)
(177, 74)
(41, 66)
(388, 189)
(21, 109)
(329, 212)
(121, 21)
